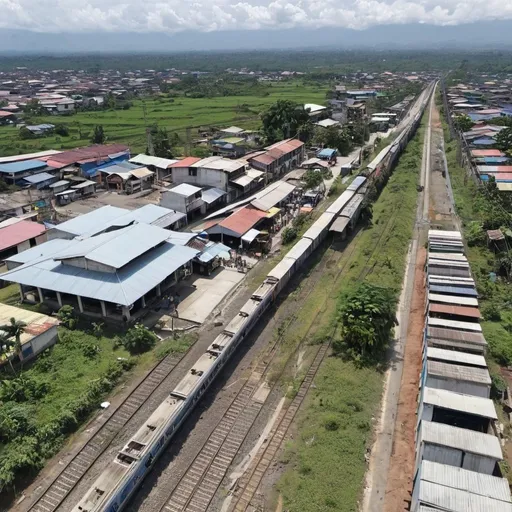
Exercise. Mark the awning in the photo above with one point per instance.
(340, 224)
(273, 212)
(250, 236)
(243, 181)
(141, 173)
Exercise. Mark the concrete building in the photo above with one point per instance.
(18, 235)
(457, 447)
(160, 166)
(183, 198)
(444, 487)
(116, 274)
(39, 334)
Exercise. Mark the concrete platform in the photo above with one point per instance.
(200, 295)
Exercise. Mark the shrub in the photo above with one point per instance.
(289, 235)
(62, 130)
(66, 315)
(139, 339)
(491, 312)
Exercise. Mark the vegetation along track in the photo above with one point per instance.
(54, 495)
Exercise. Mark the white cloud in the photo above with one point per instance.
(206, 15)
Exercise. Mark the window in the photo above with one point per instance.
(192, 172)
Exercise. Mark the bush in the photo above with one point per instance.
(498, 385)
(66, 315)
(491, 312)
(289, 235)
(139, 339)
(62, 130)
(25, 133)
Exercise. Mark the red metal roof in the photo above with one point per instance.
(455, 310)
(487, 152)
(90, 153)
(186, 162)
(4, 113)
(244, 219)
(19, 232)
(502, 176)
(286, 146)
(265, 159)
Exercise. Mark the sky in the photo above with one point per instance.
(173, 16)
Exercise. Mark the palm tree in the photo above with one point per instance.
(5, 347)
(14, 329)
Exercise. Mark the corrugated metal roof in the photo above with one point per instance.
(454, 356)
(453, 290)
(15, 234)
(123, 287)
(91, 153)
(161, 163)
(250, 236)
(459, 372)
(463, 479)
(487, 152)
(143, 172)
(243, 181)
(83, 184)
(450, 256)
(168, 219)
(210, 195)
(455, 334)
(442, 233)
(29, 156)
(244, 219)
(452, 272)
(453, 324)
(186, 162)
(59, 183)
(456, 346)
(456, 500)
(471, 312)
(39, 178)
(213, 250)
(23, 166)
(352, 206)
(462, 439)
(273, 197)
(184, 189)
(117, 248)
(434, 262)
(219, 163)
(459, 402)
(92, 220)
(356, 183)
(42, 251)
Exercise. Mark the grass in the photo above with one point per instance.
(326, 460)
(175, 114)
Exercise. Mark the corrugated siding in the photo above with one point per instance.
(442, 454)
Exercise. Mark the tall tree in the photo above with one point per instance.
(285, 119)
(504, 139)
(6, 344)
(162, 144)
(98, 136)
(14, 329)
(463, 123)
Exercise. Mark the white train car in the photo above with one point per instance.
(318, 231)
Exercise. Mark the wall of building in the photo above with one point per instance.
(57, 233)
(84, 263)
(466, 388)
(23, 246)
(173, 201)
(40, 343)
(204, 177)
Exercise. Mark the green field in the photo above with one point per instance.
(175, 114)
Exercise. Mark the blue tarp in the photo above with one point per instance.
(327, 153)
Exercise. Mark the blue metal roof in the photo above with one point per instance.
(490, 160)
(27, 165)
(39, 178)
(91, 221)
(484, 141)
(123, 287)
(453, 290)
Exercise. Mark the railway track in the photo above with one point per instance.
(57, 491)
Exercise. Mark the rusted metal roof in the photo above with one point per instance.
(186, 162)
(487, 152)
(243, 220)
(90, 153)
(455, 310)
(455, 334)
(495, 235)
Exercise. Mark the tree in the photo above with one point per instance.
(289, 235)
(463, 123)
(504, 139)
(139, 339)
(284, 119)
(110, 101)
(6, 344)
(162, 145)
(14, 329)
(367, 315)
(25, 133)
(62, 130)
(98, 136)
(312, 179)
(33, 108)
(66, 315)
(334, 138)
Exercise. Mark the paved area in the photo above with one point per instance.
(202, 294)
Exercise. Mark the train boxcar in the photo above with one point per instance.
(356, 184)
(281, 273)
(318, 231)
(341, 202)
(301, 251)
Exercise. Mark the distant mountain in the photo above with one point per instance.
(485, 35)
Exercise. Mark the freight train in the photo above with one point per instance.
(116, 484)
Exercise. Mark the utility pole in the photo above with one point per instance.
(149, 140)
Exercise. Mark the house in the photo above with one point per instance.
(58, 106)
(160, 166)
(14, 172)
(116, 274)
(316, 112)
(183, 198)
(279, 158)
(7, 117)
(18, 235)
(327, 123)
(125, 177)
(39, 333)
(39, 181)
(40, 130)
(59, 186)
